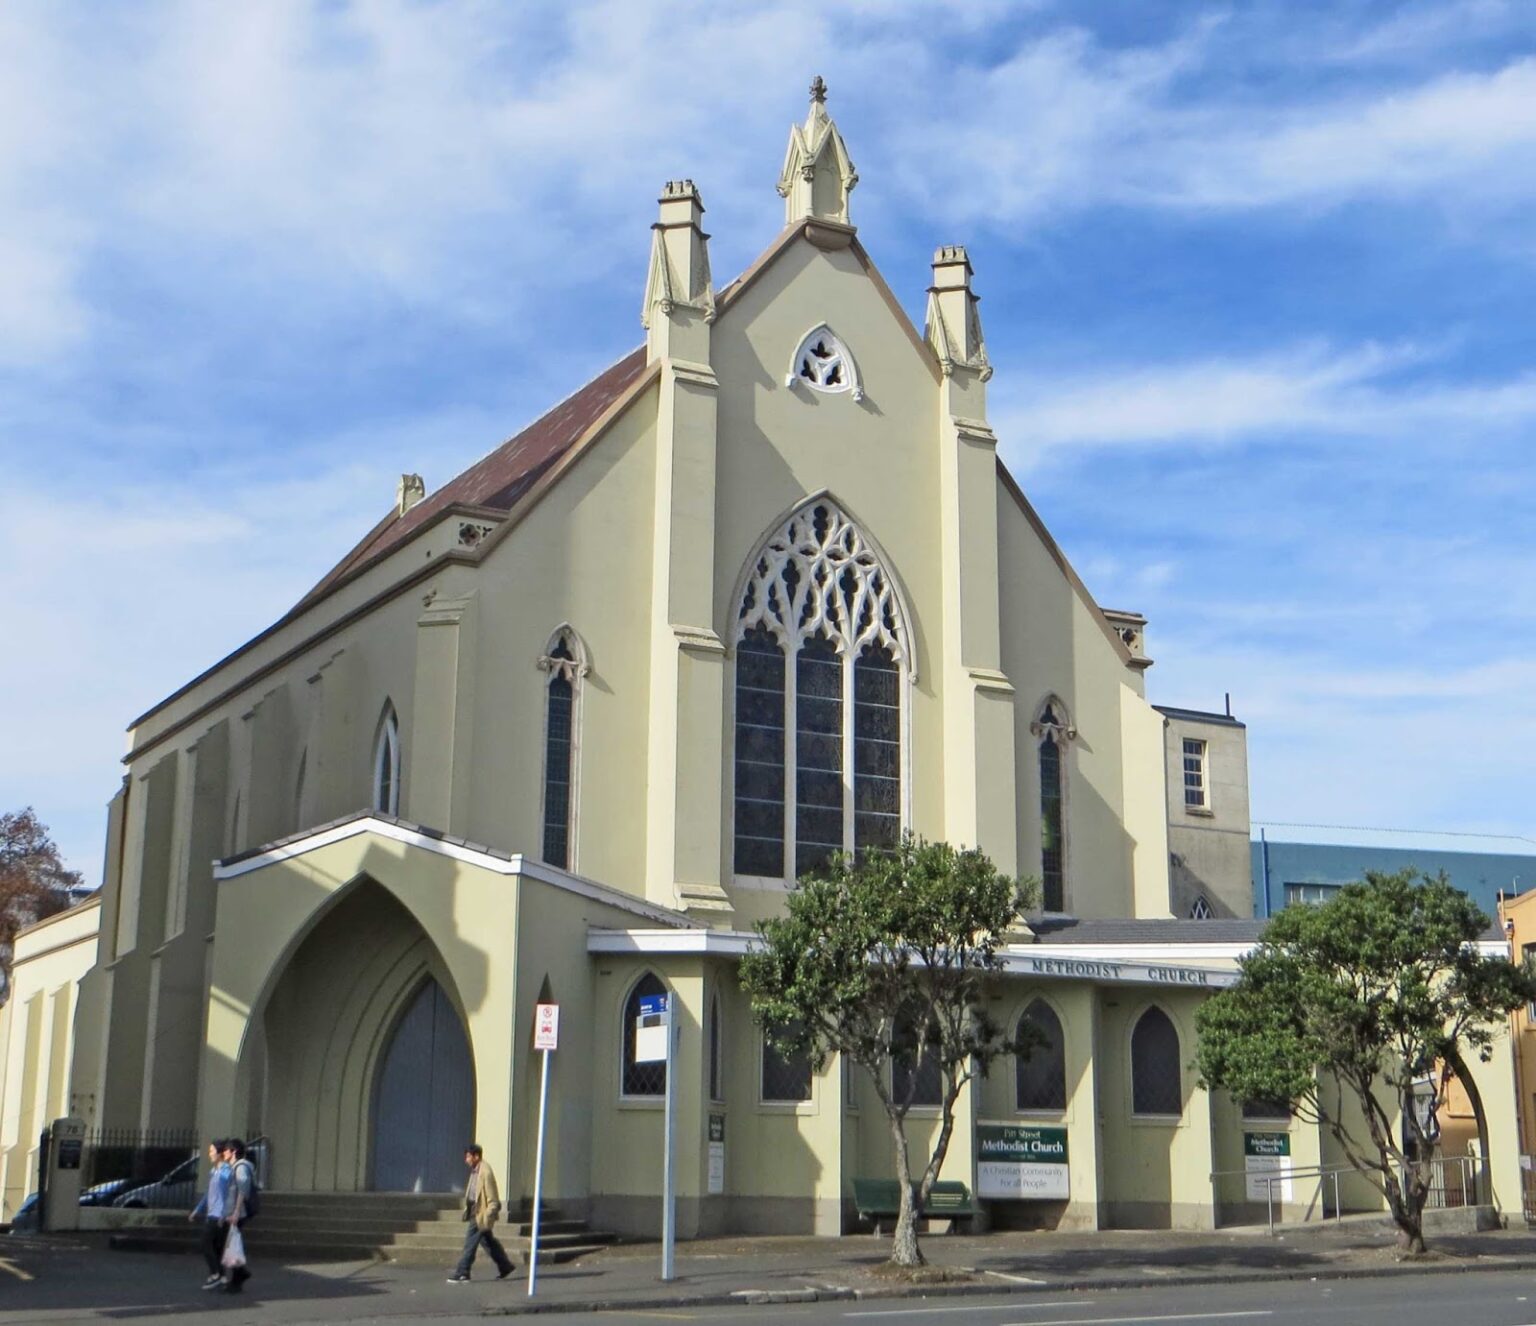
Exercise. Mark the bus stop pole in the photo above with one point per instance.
(669, 1151)
(538, 1178)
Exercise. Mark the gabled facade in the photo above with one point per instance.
(568, 726)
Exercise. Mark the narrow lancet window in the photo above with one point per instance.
(818, 754)
(557, 764)
(386, 764)
(1054, 730)
(876, 749)
(759, 754)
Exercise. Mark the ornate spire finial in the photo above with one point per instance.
(817, 174)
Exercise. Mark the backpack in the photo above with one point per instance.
(252, 1202)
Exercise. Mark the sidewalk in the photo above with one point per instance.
(75, 1279)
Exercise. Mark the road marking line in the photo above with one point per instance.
(996, 1307)
(7, 1265)
(1133, 1321)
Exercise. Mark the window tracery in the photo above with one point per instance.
(822, 363)
(817, 597)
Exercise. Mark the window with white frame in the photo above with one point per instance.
(640, 1077)
(386, 763)
(917, 1077)
(786, 1074)
(1309, 895)
(820, 646)
(822, 363)
(565, 662)
(1040, 1075)
(1197, 793)
(1157, 1084)
(1201, 909)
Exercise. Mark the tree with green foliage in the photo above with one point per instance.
(885, 958)
(1346, 1008)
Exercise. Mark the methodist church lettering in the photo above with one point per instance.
(1089, 970)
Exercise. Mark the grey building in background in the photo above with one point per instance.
(1210, 861)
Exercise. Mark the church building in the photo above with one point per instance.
(565, 728)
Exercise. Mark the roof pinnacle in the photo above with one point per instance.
(819, 89)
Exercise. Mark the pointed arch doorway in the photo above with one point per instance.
(423, 1099)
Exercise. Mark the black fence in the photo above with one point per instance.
(140, 1168)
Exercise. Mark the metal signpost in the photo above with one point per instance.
(546, 1036)
(656, 1016)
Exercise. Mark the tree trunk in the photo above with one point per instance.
(1407, 1207)
(904, 1249)
(1459, 1068)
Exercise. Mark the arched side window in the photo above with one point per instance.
(1157, 1084)
(1040, 1078)
(640, 1077)
(916, 1074)
(1054, 729)
(820, 646)
(566, 663)
(386, 763)
(786, 1077)
(1201, 909)
(716, 1054)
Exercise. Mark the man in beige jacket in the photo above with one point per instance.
(482, 1204)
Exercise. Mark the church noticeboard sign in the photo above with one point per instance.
(1267, 1156)
(1018, 1162)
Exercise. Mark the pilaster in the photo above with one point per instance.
(979, 768)
(442, 732)
(683, 849)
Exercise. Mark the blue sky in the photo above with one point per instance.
(1257, 282)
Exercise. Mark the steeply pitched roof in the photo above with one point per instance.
(496, 481)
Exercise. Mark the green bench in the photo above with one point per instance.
(875, 1199)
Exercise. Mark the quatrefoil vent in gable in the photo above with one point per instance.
(823, 364)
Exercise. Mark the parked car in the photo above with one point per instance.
(27, 1215)
(104, 1194)
(175, 1189)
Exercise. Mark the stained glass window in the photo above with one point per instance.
(786, 1077)
(557, 760)
(759, 754)
(641, 1078)
(818, 754)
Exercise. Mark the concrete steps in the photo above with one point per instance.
(411, 1228)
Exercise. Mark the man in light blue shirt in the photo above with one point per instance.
(212, 1209)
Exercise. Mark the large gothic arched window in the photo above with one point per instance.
(820, 643)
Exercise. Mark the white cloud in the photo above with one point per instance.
(1313, 389)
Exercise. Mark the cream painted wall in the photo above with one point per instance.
(36, 1044)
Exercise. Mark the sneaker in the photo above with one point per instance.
(213, 1282)
(458, 1279)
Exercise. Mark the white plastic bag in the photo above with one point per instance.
(234, 1251)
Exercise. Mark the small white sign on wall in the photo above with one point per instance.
(651, 1030)
(546, 1027)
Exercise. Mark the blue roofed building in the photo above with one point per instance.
(1309, 863)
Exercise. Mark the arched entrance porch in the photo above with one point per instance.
(361, 1042)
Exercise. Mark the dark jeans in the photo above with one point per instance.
(474, 1239)
(214, 1234)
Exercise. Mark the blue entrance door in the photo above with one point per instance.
(424, 1099)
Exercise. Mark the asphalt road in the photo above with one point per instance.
(1495, 1299)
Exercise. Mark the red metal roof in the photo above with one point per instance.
(499, 479)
